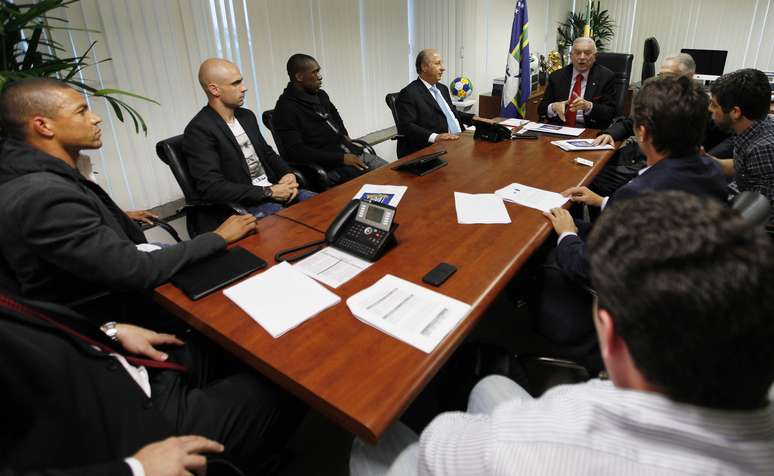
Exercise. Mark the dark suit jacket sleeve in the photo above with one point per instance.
(408, 114)
(203, 157)
(548, 97)
(572, 260)
(286, 125)
(604, 107)
(64, 230)
(115, 468)
(621, 128)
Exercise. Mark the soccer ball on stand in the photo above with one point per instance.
(460, 88)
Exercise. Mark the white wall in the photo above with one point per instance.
(745, 28)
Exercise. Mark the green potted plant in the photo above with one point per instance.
(29, 51)
(602, 27)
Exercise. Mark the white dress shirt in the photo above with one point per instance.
(433, 136)
(579, 119)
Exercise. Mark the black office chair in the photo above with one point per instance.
(621, 65)
(170, 151)
(392, 102)
(649, 57)
(753, 206)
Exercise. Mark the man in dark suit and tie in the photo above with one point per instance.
(118, 402)
(582, 93)
(227, 156)
(425, 111)
(670, 118)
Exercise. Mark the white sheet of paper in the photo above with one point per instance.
(385, 194)
(531, 197)
(332, 266)
(580, 145)
(410, 313)
(513, 122)
(281, 298)
(554, 129)
(480, 208)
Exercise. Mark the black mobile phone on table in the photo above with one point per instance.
(438, 275)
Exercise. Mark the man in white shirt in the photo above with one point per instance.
(581, 94)
(684, 324)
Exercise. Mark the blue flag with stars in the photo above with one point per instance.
(517, 85)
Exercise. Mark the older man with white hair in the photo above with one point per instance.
(582, 93)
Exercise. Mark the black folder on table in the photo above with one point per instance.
(214, 272)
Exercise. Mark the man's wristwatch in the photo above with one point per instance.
(110, 330)
(267, 192)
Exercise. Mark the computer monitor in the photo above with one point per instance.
(709, 63)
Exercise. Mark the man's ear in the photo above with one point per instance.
(735, 113)
(214, 90)
(299, 76)
(642, 133)
(608, 339)
(42, 126)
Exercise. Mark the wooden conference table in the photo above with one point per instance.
(354, 374)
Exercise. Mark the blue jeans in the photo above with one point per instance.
(269, 208)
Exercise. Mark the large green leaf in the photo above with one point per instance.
(25, 51)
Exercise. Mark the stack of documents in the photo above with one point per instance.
(281, 298)
(480, 208)
(580, 144)
(513, 122)
(384, 194)
(408, 312)
(531, 197)
(332, 266)
(554, 129)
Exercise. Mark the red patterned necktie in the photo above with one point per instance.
(570, 116)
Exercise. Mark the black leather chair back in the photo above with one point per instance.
(392, 99)
(753, 207)
(311, 175)
(170, 151)
(621, 65)
(649, 56)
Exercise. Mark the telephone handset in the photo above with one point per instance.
(363, 228)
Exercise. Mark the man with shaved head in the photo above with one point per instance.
(63, 238)
(226, 154)
(582, 93)
(425, 111)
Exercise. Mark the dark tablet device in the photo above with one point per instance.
(212, 273)
(423, 164)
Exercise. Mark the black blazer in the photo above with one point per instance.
(217, 164)
(600, 90)
(697, 175)
(304, 131)
(65, 404)
(419, 116)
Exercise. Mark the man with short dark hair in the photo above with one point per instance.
(740, 104)
(310, 128)
(582, 93)
(63, 238)
(683, 319)
(226, 154)
(425, 112)
(670, 118)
